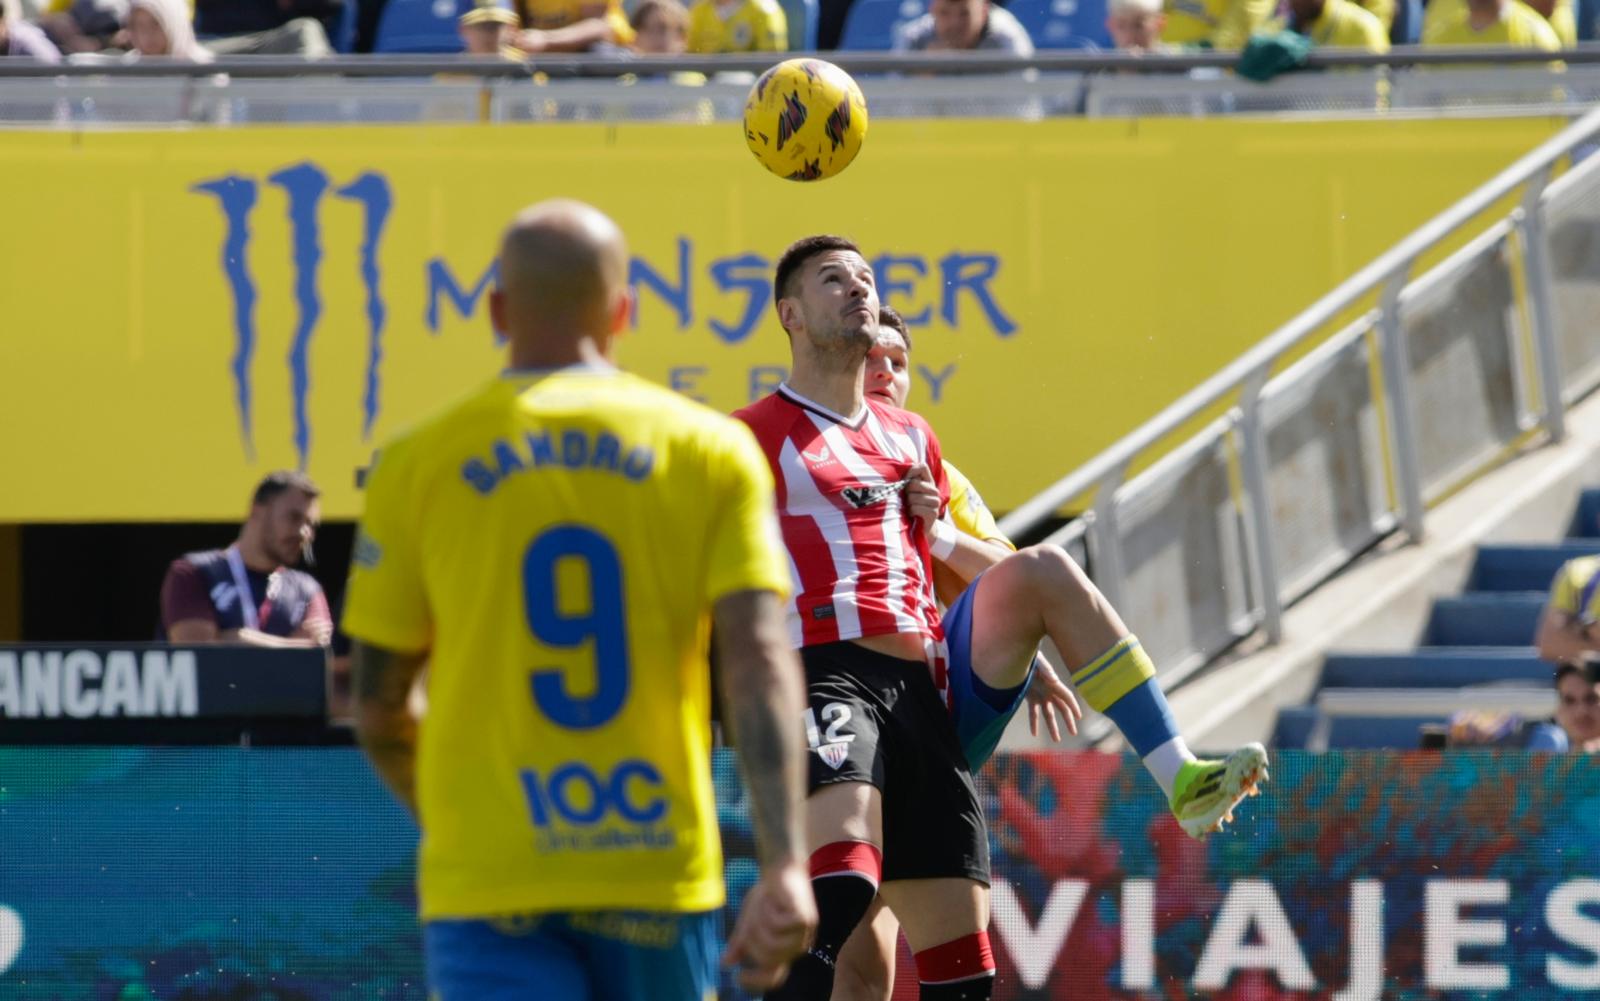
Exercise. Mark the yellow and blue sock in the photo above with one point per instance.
(1121, 684)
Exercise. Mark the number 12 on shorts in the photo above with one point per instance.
(836, 715)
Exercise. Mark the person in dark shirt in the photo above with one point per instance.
(249, 593)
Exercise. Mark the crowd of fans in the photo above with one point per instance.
(199, 30)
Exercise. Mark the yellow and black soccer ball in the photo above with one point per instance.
(805, 119)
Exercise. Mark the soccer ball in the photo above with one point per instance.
(805, 119)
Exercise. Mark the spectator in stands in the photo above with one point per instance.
(162, 28)
(737, 26)
(1135, 26)
(1568, 631)
(661, 28)
(1337, 24)
(249, 593)
(87, 25)
(489, 28)
(1489, 23)
(268, 27)
(1574, 727)
(1559, 14)
(1214, 24)
(573, 25)
(951, 25)
(19, 38)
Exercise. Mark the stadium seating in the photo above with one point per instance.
(871, 24)
(418, 26)
(1064, 24)
(802, 17)
(1475, 650)
(1407, 26)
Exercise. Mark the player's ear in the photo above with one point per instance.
(497, 312)
(787, 314)
(622, 312)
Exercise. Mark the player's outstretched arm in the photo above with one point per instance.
(763, 700)
(384, 722)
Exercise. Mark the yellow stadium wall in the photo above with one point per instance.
(1068, 279)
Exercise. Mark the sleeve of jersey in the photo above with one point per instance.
(774, 33)
(385, 603)
(968, 511)
(746, 551)
(617, 18)
(936, 466)
(1564, 591)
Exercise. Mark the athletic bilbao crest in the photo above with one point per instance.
(833, 754)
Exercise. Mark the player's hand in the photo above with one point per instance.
(775, 925)
(1047, 695)
(922, 495)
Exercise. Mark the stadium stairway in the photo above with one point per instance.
(1475, 652)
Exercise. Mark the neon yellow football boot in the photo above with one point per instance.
(1205, 793)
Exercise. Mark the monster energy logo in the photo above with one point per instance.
(305, 185)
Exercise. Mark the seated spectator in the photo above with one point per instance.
(1568, 633)
(1335, 24)
(660, 28)
(1215, 24)
(573, 25)
(490, 29)
(1574, 727)
(162, 28)
(737, 26)
(1559, 14)
(951, 25)
(1135, 26)
(87, 25)
(19, 38)
(268, 27)
(1490, 23)
(248, 593)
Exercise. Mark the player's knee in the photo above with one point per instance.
(1050, 569)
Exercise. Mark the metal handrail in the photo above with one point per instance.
(573, 66)
(1256, 362)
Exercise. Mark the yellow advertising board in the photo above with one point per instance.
(187, 310)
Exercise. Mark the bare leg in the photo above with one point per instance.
(865, 971)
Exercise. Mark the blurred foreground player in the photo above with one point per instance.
(551, 547)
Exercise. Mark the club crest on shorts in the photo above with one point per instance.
(833, 754)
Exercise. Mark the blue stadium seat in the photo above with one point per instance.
(1586, 519)
(802, 17)
(1360, 732)
(871, 24)
(1064, 24)
(1490, 619)
(1294, 726)
(1588, 13)
(344, 36)
(1434, 667)
(1524, 568)
(418, 26)
(1407, 26)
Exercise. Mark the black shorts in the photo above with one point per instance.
(879, 719)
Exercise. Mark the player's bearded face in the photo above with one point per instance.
(839, 301)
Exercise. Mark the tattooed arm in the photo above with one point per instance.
(385, 724)
(763, 698)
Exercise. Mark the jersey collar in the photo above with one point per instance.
(852, 423)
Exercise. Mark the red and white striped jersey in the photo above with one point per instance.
(860, 564)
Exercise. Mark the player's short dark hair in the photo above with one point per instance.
(282, 481)
(799, 252)
(890, 317)
(670, 9)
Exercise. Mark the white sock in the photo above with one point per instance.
(1164, 762)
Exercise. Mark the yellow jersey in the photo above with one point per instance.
(1572, 580)
(1383, 10)
(555, 542)
(1222, 24)
(1520, 26)
(968, 512)
(547, 15)
(744, 26)
(1344, 25)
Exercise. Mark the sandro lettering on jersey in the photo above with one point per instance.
(570, 449)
